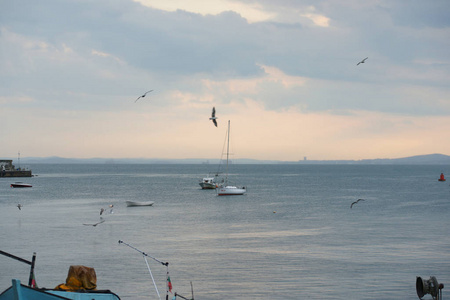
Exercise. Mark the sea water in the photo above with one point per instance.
(292, 236)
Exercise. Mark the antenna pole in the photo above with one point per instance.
(228, 150)
(31, 280)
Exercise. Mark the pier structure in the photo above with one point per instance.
(7, 169)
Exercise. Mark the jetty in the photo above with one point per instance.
(7, 169)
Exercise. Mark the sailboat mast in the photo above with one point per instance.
(228, 149)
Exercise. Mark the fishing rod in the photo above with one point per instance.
(145, 255)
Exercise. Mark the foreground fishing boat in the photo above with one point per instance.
(225, 189)
(19, 291)
(80, 284)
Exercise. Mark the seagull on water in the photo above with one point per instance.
(361, 62)
(142, 96)
(356, 202)
(19, 206)
(95, 224)
(213, 116)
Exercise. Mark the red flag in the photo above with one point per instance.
(169, 284)
(33, 282)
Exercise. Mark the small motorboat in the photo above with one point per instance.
(20, 185)
(209, 183)
(441, 178)
(139, 203)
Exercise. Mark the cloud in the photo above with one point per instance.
(291, 64)
(106, 55)
(422, 13)
(252, 12)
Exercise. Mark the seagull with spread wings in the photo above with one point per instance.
(95, 224)
(213, 116)
(356, 202)
(361, 62)
(142, 96)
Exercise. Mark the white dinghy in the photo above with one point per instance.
(139, 203)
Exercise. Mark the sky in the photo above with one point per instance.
(283, 72)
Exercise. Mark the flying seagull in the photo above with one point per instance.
(213, 116)
(356, 202)
(142, 96)
(19, 206)
(361, 62)
(95, 223)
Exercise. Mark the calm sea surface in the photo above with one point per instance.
(293, 236)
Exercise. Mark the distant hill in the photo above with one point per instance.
(429, 159)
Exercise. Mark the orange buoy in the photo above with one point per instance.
(441, 178)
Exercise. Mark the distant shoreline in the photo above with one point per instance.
(428, 159)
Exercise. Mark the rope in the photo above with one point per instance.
(151, 275)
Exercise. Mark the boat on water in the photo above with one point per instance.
(18, 291)
(139, 203)
(231, 190)
(80, 284)
(441, 178)
(226, 189)
(209, 183)
(20, 185)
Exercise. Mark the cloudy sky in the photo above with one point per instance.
(284, 72)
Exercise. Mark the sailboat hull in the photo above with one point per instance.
(230, 191)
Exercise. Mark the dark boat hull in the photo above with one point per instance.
(20, 185)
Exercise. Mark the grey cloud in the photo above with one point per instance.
(420, 14)
(169, 45)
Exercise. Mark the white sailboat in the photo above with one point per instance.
(225, 189)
